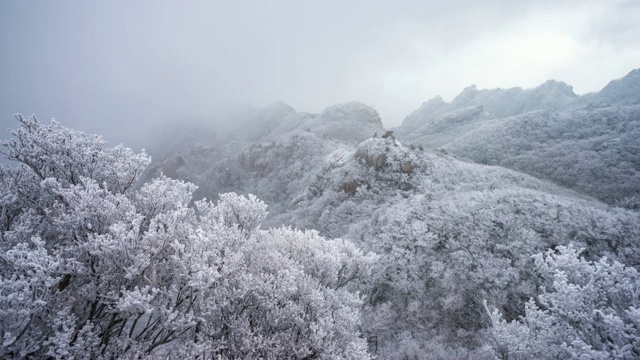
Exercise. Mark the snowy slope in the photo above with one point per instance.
(587, 142)
(282, 160)
(450, 233)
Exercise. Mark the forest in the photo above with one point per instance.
(501, 225)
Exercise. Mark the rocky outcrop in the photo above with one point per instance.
(379, 152)
(406, 167)
(372, 153)
(350, 187)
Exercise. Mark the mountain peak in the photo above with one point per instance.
(556, 87)
(624, 89)
(279, 106)
(635, 73)
(352, 111)
(433, 105)
(428, 109)
(434, 102)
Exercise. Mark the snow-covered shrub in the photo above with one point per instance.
(590, 311)
(91, 269)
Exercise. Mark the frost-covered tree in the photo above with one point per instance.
(92, 269)
(449, 234)
(590, 311)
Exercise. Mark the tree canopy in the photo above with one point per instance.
(92, 268)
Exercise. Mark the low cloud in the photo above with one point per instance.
(119, 68)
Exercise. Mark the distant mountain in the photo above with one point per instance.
(349, 123)
(254, 161)
(450, 233)
(496, 103)
(503, 223)
(626, 89)
(588, 143)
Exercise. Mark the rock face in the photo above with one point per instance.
(350, 187)
(372, 152)
(406, 167)
(377, 153)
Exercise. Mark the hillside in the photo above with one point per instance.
(450, 233)
(363, 247)
(587, 143)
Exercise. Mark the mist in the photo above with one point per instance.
(124, 69)
(320, 179)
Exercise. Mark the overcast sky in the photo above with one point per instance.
(114, 67)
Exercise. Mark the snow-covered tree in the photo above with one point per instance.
(590, 311)
(92, 269)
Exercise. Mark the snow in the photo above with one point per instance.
(325, 236)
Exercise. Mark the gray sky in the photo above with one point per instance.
(115, 67)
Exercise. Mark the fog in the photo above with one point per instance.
(122, 68)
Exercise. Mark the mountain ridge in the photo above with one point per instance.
(451, 229)
(538, 120)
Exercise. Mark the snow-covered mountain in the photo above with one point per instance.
(588, 143)
(623, 90)
(368, 246)
(450, 233)
(493, 103)
(280, 164)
